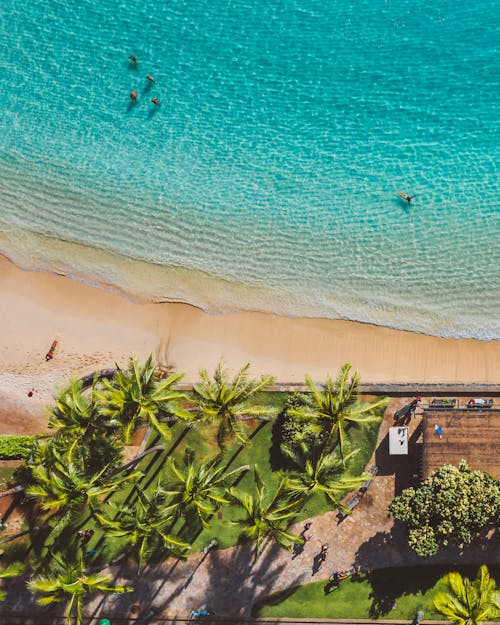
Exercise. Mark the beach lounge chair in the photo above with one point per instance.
(50, 354)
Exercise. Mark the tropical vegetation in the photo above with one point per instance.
(16, 447)
(167, 500)
(452, 506)
(466, 602)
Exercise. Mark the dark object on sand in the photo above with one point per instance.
(50, 354)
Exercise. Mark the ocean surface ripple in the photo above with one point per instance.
(267, 178)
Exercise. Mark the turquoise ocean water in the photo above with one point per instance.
(266, 180)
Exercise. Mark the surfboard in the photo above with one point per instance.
(403, 195)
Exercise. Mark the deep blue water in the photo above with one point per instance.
(267, 178)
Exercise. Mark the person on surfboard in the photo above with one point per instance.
(406, 197)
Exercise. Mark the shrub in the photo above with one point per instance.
(16, 447)
(451, 507)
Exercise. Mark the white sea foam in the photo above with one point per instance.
(145, 281)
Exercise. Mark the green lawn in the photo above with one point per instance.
(201, 440)
(390, 593)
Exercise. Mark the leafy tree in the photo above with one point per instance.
(71, 583)
(199, 489)
(318, 472)
(335, 406)
(146, 527)
(78, 416)
(450, 507)
(226, 402)
(267, 518)
(63, 490)
(137, 396)
(469, 603)
(12, 570)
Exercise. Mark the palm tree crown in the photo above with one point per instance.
(227, 402)
(317, 471)
(136, 396)
(71, 583)
(199, 489)
(335, 406)
(267, 518)
(469, 602)
(78, 416)
(63, 489)
(146, 526)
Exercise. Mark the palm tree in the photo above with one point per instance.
(146, 527)
(71, 583)
(266, 519)
(200, 489)
(318, 472)
(226, 402)
(63, 489)
(136, 396)
(335, 406)
(469, 603)
(12, 570)
(77, 416)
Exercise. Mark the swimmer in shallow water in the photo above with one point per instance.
(406, 197)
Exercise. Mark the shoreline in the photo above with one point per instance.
(97, 329)
(146, 282)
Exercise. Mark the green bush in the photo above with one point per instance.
(16, 447)
(451, 507)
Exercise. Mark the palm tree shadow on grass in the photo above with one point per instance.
(413, 573)
(388, 585)
(273, 599)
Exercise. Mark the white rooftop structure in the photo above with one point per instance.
(398, 441)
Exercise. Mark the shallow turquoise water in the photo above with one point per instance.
(267, 178)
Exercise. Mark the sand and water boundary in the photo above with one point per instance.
(97, 328)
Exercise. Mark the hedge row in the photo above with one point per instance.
(16, 447)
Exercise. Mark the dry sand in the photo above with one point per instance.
(96, 328)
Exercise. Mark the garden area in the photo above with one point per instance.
(229, 460)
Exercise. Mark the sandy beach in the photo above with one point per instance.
(97, 328)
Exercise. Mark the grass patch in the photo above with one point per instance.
(392, 593)
(201, 442)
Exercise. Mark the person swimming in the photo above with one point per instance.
(155, 101)
(150, 78)
(133, 59)
(405, 196)
(133, 96)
